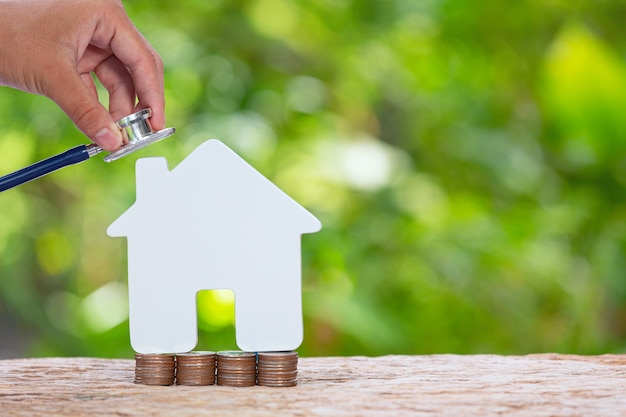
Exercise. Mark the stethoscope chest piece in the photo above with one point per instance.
(138, 131)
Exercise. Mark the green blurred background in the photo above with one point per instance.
(467, 161)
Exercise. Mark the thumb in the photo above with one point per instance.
(81, 104)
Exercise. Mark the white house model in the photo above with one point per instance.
(212, 222)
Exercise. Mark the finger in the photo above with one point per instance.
(88, 81)
(91, 58)
(150, 90)
(68, 89)
(146, 69)
(115, 77)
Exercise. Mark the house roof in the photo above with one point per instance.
(213, 181)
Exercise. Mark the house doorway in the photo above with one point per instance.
(216, 320)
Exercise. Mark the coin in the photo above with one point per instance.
(277, 369)
(195, 368)
(154, 368)
(236, 368)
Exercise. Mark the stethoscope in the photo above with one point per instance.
(135, 128)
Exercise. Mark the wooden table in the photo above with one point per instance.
(441, 385)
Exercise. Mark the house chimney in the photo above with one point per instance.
(151, 175)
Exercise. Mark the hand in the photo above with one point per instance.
(51, 47)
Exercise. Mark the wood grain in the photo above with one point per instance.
(442, 385)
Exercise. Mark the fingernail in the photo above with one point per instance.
(109, 138)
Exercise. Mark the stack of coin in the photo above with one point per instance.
(154, 369)
(195, 368)
(278, 369)
(236, 368)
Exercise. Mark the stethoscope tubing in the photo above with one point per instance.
(39, 169)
